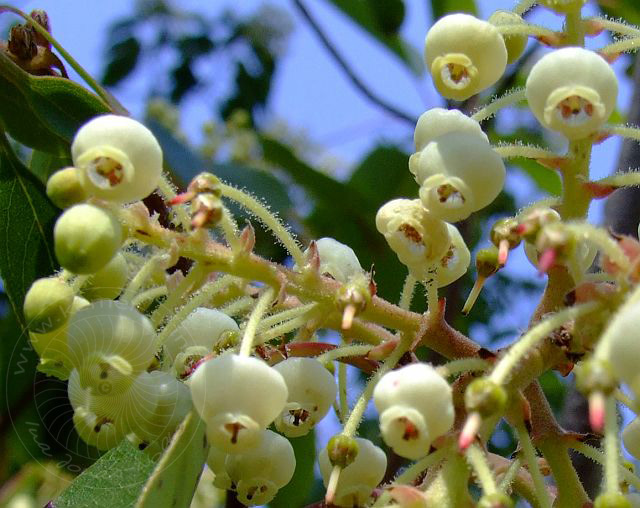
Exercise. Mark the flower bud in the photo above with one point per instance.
(465, 55)
(202, 328)
(65, 188)
(342, 450)
(415, 406)
(459, 173)
(86, 238)
(612, 500)
(336, 260)
(573, 91)
(259, 473)
(594, 375)
(515, 43)
(312, 390)
(52, 347)
(108, 282)
(495, 500)
(237, 397)
(436, 122)
(47, 305)
(360, 477)
(485, 397)
(119, 157)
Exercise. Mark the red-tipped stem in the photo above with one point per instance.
(597, 403)
(469, 431)
(503, 252)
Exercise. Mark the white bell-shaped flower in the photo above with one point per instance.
(85, 238)
(96, 431)
(119, 157)
(459, 173)
(237, 397)
(110, 343)
(417, 237)
(336, 259)
(216, 460)
(358, 479)
(203, 327)
(416, 406)
(631, 437)
(312, 390)
(573, 91)
(464, 55)
(436, 122)
(259, 473)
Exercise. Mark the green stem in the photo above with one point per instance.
(525, 29)
(462, 365)
(351, 426)
(407, 292)
(601, 239)
(507, 151)
(230, 230)
(574, 28)
(571, 493)
(268, 219)
(509, 98)
(542, 494)
(139, 279)
(523, 6)
(478, 461)
(599, 457)
(510, 475)
(168, 193)
(629, 132)
(192, 280)
(611, 448)
(342, 392)
(621, 46)
(239, 306)
(286, 315)
(342, 351)
(619, 27)
(252, 324)
(576, 199)
(144, 298)
(102, 93)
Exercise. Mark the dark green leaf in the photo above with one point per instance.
(44, 164)
(174, 480)
(115, 480)
(382, 20)
(545, 178)
(122, 59)
(43, 112)
(26, 226)
(621, 9)
(296, 492)
(441, 7)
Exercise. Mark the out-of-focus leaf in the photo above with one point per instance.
(121, 60)
(174, 479)
(115, 480)
(26, 227)
(43, 112)
(382, 20)
(545, 178)
(44, 164)
(554, 389)
(621, 9)
(441, 7)
(296, 492)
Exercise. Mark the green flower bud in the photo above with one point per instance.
(485, 397)
(505, 229)
(515, 44)
(47, 305)
(487, 262)
(495, 500)
(594, 376)
(612, 500)
(342, 450)
(86, 238)
(107, 283)
(65, 187)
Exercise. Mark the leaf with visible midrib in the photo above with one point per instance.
(26, 228)
(115, 480)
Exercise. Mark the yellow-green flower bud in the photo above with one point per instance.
(573, 91)
(465, 55)
(612, 500)
(86, 238)
(107, 283)
(495, 500)
(47, 305)
(515, 44)
(65, 187)
(342, 450)
(485, 397)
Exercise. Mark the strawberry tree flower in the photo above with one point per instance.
(515, 43)
(237, 397)
(312, 390)
(47, 304)
(573, 91)
(458, 173)
(260, 472)
(360, 477)
(337, 259)
(418, 238)
(464, 55)
(455, 263)
(436, 122)
(415, 406)
(119, 158)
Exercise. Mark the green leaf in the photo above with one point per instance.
(123, 57)
(115, 480)
(43, 112)
(175, 478)
(441, 7)
(26, 227)
(382, 19)
(621, 9)
(545, 178)
(43, 164)
(296, 492)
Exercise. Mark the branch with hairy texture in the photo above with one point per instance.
(342, 63)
